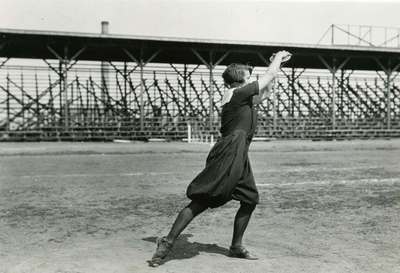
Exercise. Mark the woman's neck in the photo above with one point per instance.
(236, 85)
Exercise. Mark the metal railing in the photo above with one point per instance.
(361, 35)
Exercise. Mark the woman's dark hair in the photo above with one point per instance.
(235, 73)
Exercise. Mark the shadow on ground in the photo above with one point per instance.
(183, 249)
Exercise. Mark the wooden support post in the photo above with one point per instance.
(211, 65)
(141, 63)
(61, 77)
(333, 69)
(51, 102)
(186, 102)
(274, 108)
(125, 85)
(141, 95)
(8, 103)
(63, 74)
(81, 116)
(388, 71)
(292, 102)
(37, 102)
(104, 85)
(333, 105)
(388, 101)
(63, 67)
(211, 106)
(104, 71)
(71, 106)
(341, 94)
(88, 111)
(22, 97)
(65, 90)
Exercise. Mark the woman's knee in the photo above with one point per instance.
(196, 207)
(247, 206)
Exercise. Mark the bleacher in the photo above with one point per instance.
(177, 130)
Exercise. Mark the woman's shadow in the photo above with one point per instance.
(183, 249)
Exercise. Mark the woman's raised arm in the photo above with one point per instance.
(273, 69)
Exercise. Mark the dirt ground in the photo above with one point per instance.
(98, 207)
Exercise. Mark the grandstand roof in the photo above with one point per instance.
(35, 44)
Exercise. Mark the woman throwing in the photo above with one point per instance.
(227, 174)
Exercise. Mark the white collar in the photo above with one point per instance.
(227, 96)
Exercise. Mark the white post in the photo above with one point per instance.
(189, 132)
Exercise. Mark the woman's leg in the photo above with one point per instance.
(184, 218)
(164, 244)
(242, 219)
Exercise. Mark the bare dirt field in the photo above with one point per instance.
(98, 207)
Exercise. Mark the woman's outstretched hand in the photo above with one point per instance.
(283, 55)
(273, 69)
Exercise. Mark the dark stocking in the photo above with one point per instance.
(242, 219)
(184, 218)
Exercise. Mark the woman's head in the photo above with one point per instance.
(236, 74)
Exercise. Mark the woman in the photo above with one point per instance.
(227, 174)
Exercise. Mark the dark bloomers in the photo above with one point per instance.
(228, 174)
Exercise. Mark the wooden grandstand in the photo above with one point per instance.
(82, 87)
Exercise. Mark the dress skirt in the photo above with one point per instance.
(227, 174)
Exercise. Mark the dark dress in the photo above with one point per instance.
(227, 174)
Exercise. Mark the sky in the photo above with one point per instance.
(265, 21)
